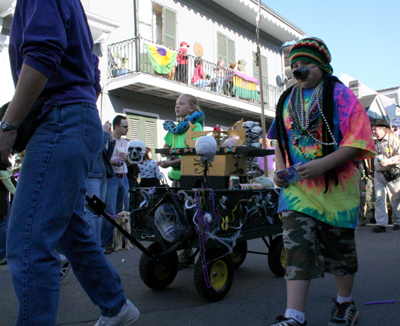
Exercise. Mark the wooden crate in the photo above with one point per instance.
(224, 165)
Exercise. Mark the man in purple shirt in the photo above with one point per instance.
(51, 53)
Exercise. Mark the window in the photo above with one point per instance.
(225, 49)
(264, 67)
(157, 23)
(144, 129)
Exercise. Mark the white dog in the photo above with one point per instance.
(124, 220)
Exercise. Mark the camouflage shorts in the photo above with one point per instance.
(314, 247)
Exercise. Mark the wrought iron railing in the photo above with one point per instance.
(130, 56)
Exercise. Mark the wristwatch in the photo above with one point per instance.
(5, 126)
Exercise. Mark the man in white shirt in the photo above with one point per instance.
(117, 198)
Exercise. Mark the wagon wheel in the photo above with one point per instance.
(277, 257)
(158, 274)
(65, 267)
(220, 271)
(239, 253)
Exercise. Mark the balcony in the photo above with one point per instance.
(221, 88)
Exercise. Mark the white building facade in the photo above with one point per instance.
(225, 29)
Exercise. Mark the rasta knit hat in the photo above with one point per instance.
(314, 50)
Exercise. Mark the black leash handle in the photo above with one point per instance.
(98, 207)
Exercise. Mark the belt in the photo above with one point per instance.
(119, 175)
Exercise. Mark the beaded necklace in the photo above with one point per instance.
(205, 204)
(306, 122)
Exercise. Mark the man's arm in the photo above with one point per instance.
(30, 84)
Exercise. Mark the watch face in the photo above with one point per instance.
(6, 126)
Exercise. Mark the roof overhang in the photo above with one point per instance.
(7, 7)
(271, 22)
(100, 27)
(165, 88)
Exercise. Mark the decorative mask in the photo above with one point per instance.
(248, 125)
(136, 151)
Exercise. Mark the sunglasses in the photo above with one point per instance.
(124, 126)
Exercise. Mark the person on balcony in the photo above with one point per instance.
(242, 66)
(199, 78)
(182, 67)
(219, 72)
(228, 82)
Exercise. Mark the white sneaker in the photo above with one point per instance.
(126, 318)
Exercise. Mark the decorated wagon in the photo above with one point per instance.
(209, 212)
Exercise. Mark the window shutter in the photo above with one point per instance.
(169, 28)
(150, 133)
(264, 68)
(134, 128)
(144, 129)
(222, 47)
(255, 67)
(231, 52)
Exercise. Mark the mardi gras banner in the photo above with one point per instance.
(245, 86)
(162, 59)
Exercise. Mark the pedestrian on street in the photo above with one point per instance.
(321, 125)
(387, 175)
(117, 198)
(51, 54)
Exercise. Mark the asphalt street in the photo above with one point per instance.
(257, 296)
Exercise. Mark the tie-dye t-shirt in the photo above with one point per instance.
(339, 205)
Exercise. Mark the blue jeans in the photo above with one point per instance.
(220, 83)
(117, 199)
(98, 187)
(202, 83)
(48, 210)
(3, 233)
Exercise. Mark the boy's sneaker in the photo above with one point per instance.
(126, 318)
(283, 321)
(345, 314)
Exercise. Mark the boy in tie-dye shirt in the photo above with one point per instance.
(321, 125)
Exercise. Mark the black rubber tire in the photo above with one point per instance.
(220, 270)
(157, 275)
(239, 253)
(277, 257)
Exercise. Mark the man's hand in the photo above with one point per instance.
(107, 128)
(385, 162)
(281, 183)
(7, 140)
(123, 157)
